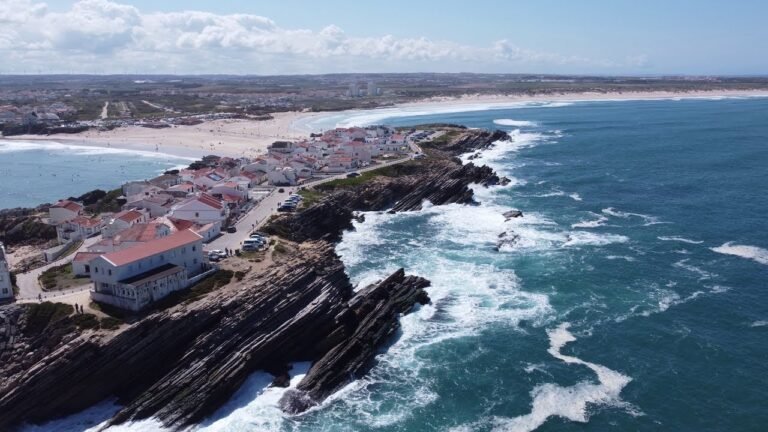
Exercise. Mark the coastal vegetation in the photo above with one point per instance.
(25, 227)
(60, 278)
(99, 201)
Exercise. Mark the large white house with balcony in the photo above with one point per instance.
(135, 277)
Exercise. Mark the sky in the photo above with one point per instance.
(601, 37)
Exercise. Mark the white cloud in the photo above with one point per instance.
(103, 36)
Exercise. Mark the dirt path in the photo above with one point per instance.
(104, 114)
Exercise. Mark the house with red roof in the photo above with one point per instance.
(202, 209)
(135, 277)
(64, 210)
(124, 220)
(78, 228)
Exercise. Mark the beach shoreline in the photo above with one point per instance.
(250, 138)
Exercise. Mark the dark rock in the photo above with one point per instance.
(181, 364)
(506, 239)
(513, 214)
(376, 308)
(282, 380)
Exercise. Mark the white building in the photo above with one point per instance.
(63, 211)
(124, 220)
(79, 228)
(202, 209)
(6, 287)
(285, 176)
(133, 278)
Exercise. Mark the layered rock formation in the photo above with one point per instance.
(180, 365)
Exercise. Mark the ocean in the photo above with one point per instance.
(632, 295)
(33, 173)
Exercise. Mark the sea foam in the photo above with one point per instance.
(754, 253)
(515, 123)
(550, 400)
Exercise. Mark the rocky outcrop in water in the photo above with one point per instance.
(180, 365)
(370, 321)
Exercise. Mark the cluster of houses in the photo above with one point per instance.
(332, 152)
(154, 244)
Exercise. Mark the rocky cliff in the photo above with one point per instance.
(441, 179)
(180, 365)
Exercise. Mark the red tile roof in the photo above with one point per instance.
(85, 222)
(128, 216)
(209, 201)
(69, 205)
(138, 233)
(154, 247)
(181, 224)
(85, 256)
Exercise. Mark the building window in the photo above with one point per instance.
(194, 261)
(95, 269)
(5, 290)
(194, 248)
(197, 214)
(110, 272)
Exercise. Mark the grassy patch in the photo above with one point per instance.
(396, 170)
(41, 315)
(311, 196)
(280, 248)
(59, 278)
(86, 321)
(442, 140)
(110, 323)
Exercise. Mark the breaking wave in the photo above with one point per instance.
(515, 123)
(754, 253)
(679, 239)
(552, 400)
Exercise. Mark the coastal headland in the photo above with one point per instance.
(182, 361)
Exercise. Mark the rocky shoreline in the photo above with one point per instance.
(181, 364)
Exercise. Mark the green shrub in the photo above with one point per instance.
(41, 315)
(86, 321)
(110, 323)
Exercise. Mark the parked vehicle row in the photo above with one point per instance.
(290, 203)
(255, 242)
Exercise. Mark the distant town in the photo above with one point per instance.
(49, 104)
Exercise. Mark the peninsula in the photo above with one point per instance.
(261, 311)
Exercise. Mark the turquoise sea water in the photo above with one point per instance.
(635, 298)
(33, 173)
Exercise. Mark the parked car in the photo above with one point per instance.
(353, 175)
(232, 229)
(253, 244)
(216, 255)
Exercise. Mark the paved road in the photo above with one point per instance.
(268, 206)
(29, 287)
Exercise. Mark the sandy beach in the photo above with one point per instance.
(250, 138)
(233, 138)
